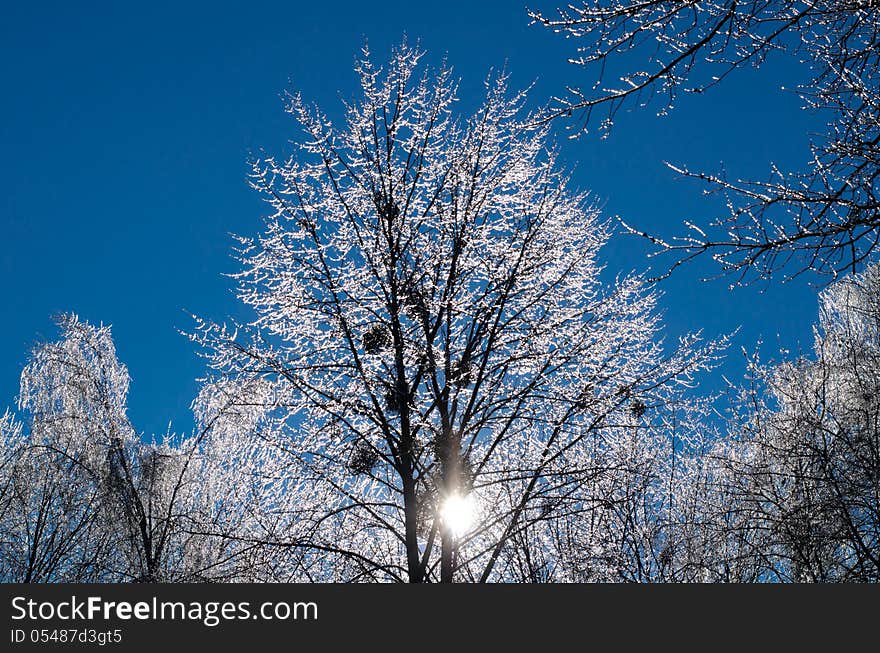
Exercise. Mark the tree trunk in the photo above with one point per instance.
(447, 555)
(410, 510)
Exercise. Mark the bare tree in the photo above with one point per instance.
(435, 360)
(49, 527)
(82, 497)
(793, 494)
(826, 218)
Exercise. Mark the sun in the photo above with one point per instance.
(457, 513)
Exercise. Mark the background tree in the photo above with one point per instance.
(631, 522)
(824, 219)
(82, 498)
(812, 447)
(246, 497)
(792, 494)
(74, 394)
(434, 356)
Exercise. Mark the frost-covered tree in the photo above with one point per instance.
(824, 218)
(810, 454)
(82, 498)
(243, 504)
(793, 494)
(632, 521)
(73, 392)
(436, 374)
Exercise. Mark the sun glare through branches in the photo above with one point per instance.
(459, 513)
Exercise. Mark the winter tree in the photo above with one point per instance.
(74, 394)
(807, 460)
(437, 375)
(824, 218)
(790, 494)
(82, 497)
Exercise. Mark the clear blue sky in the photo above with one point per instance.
(126, 128)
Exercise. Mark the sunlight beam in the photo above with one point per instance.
(457, 513)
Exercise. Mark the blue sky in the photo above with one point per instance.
(126, 130)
